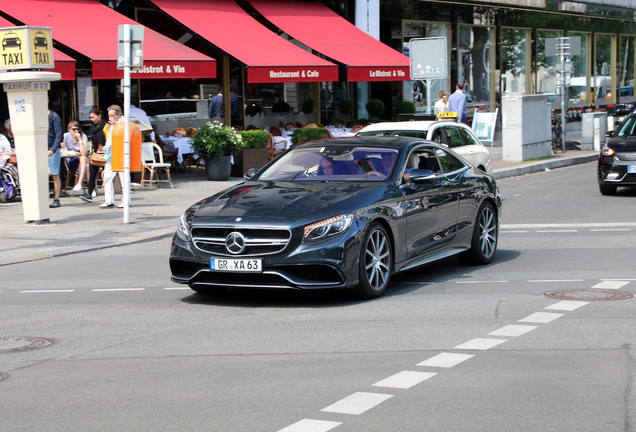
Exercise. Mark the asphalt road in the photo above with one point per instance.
(449, 348)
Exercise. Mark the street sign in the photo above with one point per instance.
(26, 48)
(428, 58)
(136, 40)
(570, 45)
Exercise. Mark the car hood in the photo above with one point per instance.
(284, 202)
(622, 143)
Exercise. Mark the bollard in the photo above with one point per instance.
(597, 134)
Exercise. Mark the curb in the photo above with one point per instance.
(543, 166)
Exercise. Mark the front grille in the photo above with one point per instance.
(258, 241)
(625, 157)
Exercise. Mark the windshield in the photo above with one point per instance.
(628, 127)
(407, 133)
(332, 163)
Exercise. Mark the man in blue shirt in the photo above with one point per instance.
(216, 105)
(457, 103)
(55, 136)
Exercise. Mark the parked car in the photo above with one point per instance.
(455, 135)
(617, 160)
(342, 213)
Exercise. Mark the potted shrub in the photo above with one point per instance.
(253, 109)
(280, 107)
(345, 106)
(254, 153)
(375, 108)
(215, 143)
(307, 107)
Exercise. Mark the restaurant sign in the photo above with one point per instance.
(26, 48)
(283, 74)
(380, 73)
(105, 69)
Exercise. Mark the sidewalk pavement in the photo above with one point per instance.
(77, 226)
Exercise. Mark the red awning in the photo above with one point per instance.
(326, 32)
(268, 57)
(64, 65)
(90, 28)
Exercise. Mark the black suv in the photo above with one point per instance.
(617, 161)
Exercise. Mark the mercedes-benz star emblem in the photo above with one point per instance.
(235, 243)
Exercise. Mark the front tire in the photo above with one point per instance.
(376, 260)
(485, 236)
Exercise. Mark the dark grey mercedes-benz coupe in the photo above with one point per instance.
(341, 214)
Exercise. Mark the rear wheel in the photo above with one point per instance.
(485, 235)
(607, 190)
(375, 262)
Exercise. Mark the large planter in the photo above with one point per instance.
(249, 158)
(218, 168)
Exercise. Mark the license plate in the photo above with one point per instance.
(238, 265)
(631, 169)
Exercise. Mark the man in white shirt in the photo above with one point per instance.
(139, 114)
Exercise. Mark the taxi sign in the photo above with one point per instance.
(447, 116)
(26, 48)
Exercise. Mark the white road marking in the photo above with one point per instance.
(309, 425)
(48, 291)
(541, 317)
(177, 288)
(569, 225)
(611, 229)
(480, 344)
(116, 289)
(611, 284)
(513, 232)
(512, 330)
(404, 379)
(558, 231)
(567, 305)
(357, 403)
(446, 360)
(480, 282)
(555, 280)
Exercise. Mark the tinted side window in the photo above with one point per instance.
(467, 137)
(437, 136)
(453, 139)
(448, 162)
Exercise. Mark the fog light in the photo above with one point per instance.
(612, 176)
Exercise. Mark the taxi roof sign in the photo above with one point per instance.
(26, 48)
(447, 116)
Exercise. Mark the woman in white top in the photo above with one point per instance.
(75, 140)
(442, 104)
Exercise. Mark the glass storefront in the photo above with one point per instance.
(475, 66)
(625, 68)
(604, 67)
(515, 59)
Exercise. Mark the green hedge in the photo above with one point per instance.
(305, 134)
(254, 138)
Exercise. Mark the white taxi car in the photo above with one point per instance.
(455, 135)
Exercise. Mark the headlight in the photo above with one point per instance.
(607, 151)
(328, 227)
(183, 229)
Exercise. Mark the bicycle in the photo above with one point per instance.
(557, 136)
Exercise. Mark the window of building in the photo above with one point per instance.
(515, 52)
(604, 66)
(625, 69)
(415, 91)
(475, 63)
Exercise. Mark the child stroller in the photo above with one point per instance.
(9, 182)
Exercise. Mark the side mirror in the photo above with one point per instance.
(422, 176)
(250, 173)
(609, 134)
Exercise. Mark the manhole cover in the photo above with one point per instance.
(588, 295)
(3, 376)
(22, 343)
